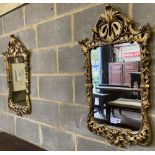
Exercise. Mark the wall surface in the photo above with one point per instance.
(59, 111)
(6, 7)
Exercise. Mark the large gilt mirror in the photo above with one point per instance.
(117, 63)
(18, 76)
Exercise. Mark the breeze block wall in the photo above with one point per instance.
(59, 111)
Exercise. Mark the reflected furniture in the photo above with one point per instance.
(119, 72)
(102, 105)
(111, 88)
(135, 77)
(124, 92)
(115, 101)
(124, 104)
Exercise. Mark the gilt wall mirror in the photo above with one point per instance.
(18, 76)
(118, 79)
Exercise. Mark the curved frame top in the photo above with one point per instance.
(17, 49)
(114, 28)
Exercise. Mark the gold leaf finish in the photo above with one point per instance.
(17, 49)
(115, 28)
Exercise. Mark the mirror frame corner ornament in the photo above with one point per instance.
(16, 49)
(105, 33)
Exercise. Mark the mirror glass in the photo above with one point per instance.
(18, 85)
(116, 79)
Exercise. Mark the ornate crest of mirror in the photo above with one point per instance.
(117, 74)
(17, 64)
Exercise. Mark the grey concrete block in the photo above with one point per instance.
(4, 41)
(143, 14)
(54, 32)
(152, 96)
(36, 12)
(45, 112)
(122, 7)
(34, 91)
(90, 145)
(2, 65)
(70, 59)
(152, 103)
(13, 20)
(43, 61)
(80, 89)
(1, 28)
(27, 37)
(74, 118)
(7, 123)
(56, 88)
(151, 44)
(3, 86)
(152, 67)
(57, 140)
(3, 103)
(85, 20)
(27, 130)
(152, 81)
(66, 7)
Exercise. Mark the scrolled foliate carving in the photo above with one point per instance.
(17, 49)
(113, 28)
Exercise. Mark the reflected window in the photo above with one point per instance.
(116, 81)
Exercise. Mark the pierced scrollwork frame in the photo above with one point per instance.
(17, 49)
(113, 28)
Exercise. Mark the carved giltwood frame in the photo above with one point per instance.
(17, 49)
(113, 28)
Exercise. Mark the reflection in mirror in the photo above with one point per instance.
(116, 82)
(18, 77)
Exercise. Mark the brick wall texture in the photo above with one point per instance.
(59, 111)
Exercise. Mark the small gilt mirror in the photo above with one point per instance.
(117, 63)
(18, 76)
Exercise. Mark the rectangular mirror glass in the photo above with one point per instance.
(17, 66)
(116, 82)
